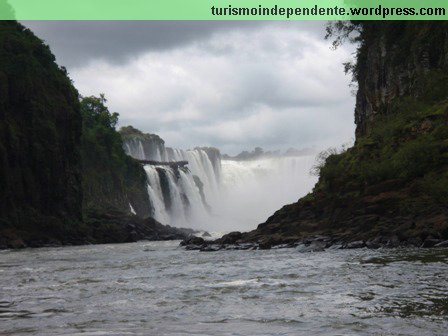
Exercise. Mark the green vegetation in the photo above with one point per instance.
(133, 133)
(64, 176)
(40, 127)
(407, 139)
(400, 38)
(111, 179)
(409, 145)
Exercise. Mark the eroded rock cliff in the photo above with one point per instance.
(40, 128)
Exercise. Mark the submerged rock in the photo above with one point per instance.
(355, 244)
(374, 243)
(429, 242)
(442, 244)
(314, 246)
(210, 248)
(265, 245)
(193, 247)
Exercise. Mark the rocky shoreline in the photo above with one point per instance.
(390, 189)
(238, 241)
(99, 228)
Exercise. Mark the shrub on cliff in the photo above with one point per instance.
(111, 179)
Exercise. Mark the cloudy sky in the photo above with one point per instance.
(232, 85)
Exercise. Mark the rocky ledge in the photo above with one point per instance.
(106, 227)
(241, 241)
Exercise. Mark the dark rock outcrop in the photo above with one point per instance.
(230, 238)
(107, 226)
(193, 240)
(117, 227)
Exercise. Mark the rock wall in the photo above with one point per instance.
(143, 146)
(40, 128)
(392, 185)
(63, 178)
(111, 179)
(392, 61)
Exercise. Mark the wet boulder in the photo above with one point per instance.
(231, 238)
(193, 240)
(429, 242)
(265, 245)
(415, 241)
(374, 243)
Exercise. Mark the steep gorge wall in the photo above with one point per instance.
(392, 185)
(40, 128)
(396, 59)
(64, 176)
(112, 180)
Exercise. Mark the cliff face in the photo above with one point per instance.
(40, 128)
(395, 59)
(392, 185)
(111, 179)
(141, 145)
(64, 176)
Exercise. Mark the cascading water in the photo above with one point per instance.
(254, 190)
(156, 196)
(217, 195)
(178, 195)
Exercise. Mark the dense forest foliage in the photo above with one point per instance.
(111, 179)
(40, 128)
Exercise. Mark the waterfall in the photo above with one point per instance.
(175, 197)
(253, 190)
(155, 195)
(214, 194)
(134, 148)
(178, 195)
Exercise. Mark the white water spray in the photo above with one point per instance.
(217, 195)
(254, 190)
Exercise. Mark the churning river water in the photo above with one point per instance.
(156, 288)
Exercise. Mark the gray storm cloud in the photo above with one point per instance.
(233, 85)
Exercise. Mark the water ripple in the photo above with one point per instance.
(158, 289)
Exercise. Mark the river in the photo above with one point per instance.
(156, 288)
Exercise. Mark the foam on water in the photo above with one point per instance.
(156, 288)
